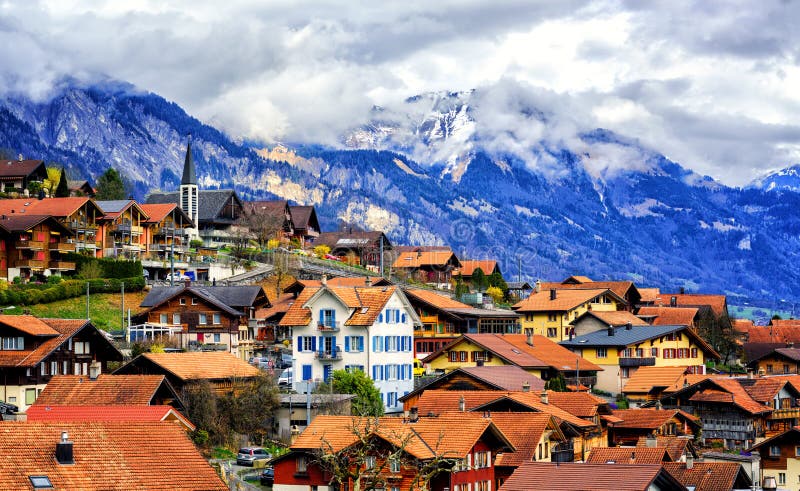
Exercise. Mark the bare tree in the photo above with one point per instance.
(264, 227)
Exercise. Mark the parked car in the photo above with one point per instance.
(267, 476)
(285, 361)
(285, 377)
(331, 257)
(248, 455)
(176, 277)
(7, 407)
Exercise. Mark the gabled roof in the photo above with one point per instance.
(504, 378)
(718, 303)
(157, 212)
(628, 455)
(131, 414)
(20, 168)
(277, 208)
(231, 299)
(114, 208)
(649, 419)
(196, 365)
(425, 259)
(519, 285)
(304, 217)
(581, 404)
(66, 328)
(355, 239)
(723, 390)
(571, 476)
(514, 349)
(676, 446)
(791, 354)
(25, 222)
(649, 295)
(791, 435)
(777, 334)
(468, 267)
(626, 337)
(654, 379)
(612, 318)
(565, 300)
(710, 476)
(56, 207)
(299, 285)
(106, 390)
(209, 202)
(366, 303)
(435, 299)
(524, 430)
(28, 324)
(107, 455)
(620, 288)
(672, 316)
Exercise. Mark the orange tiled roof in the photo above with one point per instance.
(670, 316)
(717, 303)
(763, 389)
(647, 418)
(676, 445)
(739, 395)
(534, 401)
(55, 207)
(645, 379)
(75, 414)
(279, 306)
(705, 476)
(524, 430)
(628, 455)
(28, 324)
(424, 258)
(203, 365)
(620, 288)
(468, 267)
(649, 295)
(571, 476)
(614, 317)
(438, 401)
(78, 390)
(435, 299)
(366, 302)
(781, 333)
(581, 404)
(66, 328)
(566, 300)
(109, 455)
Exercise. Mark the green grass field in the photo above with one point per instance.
(105, 309)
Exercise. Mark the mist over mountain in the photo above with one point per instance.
(500, 173)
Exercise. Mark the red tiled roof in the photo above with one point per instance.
(18, 168)
(620, 288)
(649, 295)
(505, 377)
(75, 414)
(676, 445)
(670, 316)
(524, 430)
(424, 258)
(435, 299)
(645, 379)
(533, 400)
(56, 207)
(279, 306)
(628, 455)
(78, 390)
(781, 333)
(705, 476)
(29, 358)
(717, 303)
(581, 404)
(203, 365)
(650, 419)
(570, 476)
(28, 324)
(366, 302)
(566, 300)
(157, 211)
(108, 455)
(468, 267)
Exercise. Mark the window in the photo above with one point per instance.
(30, 396)
(41, 482)
(302, 465)
(785, 368)
(625, 372)
(14, 343)
(182, 301)
(452, 356)
(540, 452)
(43, 368)
(217, 319)
(462, 355)
(552, 332)
(53, 368)
(781, 478)
(162, 318)
(81, 347)
(308, 343)
(217, 338)
(394, 466)
(654, 352)
(769, 368)
(602, 352)
(194, 301)
(391, 343)
(202, 319)
(327, 317)
(354, 344)
(176, 318)
(552, 317)
(694, 354)
(774, 451)
(797, 451)
(369, 462)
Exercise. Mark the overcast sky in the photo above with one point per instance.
(713, 85)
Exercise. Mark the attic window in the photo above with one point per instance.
(40, 482)
(182, 301)
(364, 310)
(515, 350)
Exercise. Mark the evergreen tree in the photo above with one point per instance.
(496, 280)
(62, 190)
(479, 281)
(461, 289)
(556, 384)
(110, 186)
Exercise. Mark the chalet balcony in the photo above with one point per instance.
(788, 413)
(587, 381)
(332, 355)
(62, 246)
(79, 225)
(637, 362)
(562, 452)
(62, 265)
(34, 245)
(29, 264)
(329, 326)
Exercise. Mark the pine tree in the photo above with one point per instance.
(110, 186)
(62, 190)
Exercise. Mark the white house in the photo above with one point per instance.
(368, 328)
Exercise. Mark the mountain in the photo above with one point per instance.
(493, 173)
(787, 179)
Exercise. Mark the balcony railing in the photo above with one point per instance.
(562, 452)
(329, 326)
(29, 264)
(82, 225)
(61, 246)
(637, 362)
(334, 354)
(792, 412)
(62, 265)
(29, 244)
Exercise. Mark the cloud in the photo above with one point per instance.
(711, 85)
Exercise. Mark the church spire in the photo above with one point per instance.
(189, 175)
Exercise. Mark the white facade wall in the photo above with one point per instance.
(16, 394)
(393, 382)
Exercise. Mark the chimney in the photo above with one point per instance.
(628, 326)
(633, 457)
(64, 450)
(673, 301)
(529, 337)
(571, 333)
(552, 294)
(610, 330)
(414, 415)
(770, 484)
(94, 370)
(749, 374)
(537, 287)
(19, 157)
(689, 461)
(651, 441)
(544, 397)
(367, 281)
(324, 280)
(526, 387)
(187, 283)
(462, 404)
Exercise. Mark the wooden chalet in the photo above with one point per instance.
(276, 214)
(16, 175)
(33, 245)
(431, 267)
(122, 229)
(305, 223)
(361, 248)
(627, 426)
(166, 236)
(626, 290)
(779, 457)
(219, 214)
(109, 390)
(80, 188)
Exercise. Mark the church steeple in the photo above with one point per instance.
(189, 175)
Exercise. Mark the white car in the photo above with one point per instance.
(176, 277)
(285, 377)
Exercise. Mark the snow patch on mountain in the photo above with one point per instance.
(643, 209)
(408, 170)
(371, 216)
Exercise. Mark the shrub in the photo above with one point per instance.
(54, 279)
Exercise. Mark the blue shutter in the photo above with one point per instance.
(333, 318)
(361, 343)
(374, 372)
(306, 372)
(380, 317)
(410, 372)
(396, 315)
(321, 317)
(347, 344)
(313, 343)
(403, 317)
(299, 341)
(321, 346)
(333, 346)
(386, 343)
(410, 343)
(383, 372)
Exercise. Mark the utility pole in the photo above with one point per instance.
(519, 269)
(381, 267)
(87, 300)
(122, 316)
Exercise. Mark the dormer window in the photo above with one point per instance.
(14, 343)
(182, 301)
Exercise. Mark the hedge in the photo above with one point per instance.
(67, 289)
(110, 267)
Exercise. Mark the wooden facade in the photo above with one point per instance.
(32, 246)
